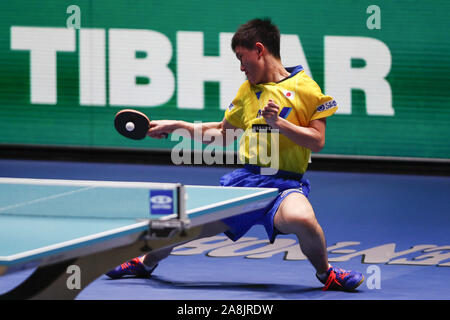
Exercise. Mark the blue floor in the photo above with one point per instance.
(393, 228)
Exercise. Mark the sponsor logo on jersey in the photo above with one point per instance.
(327, 105)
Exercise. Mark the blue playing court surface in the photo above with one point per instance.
(392, 228)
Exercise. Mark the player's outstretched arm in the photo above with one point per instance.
(206, 132)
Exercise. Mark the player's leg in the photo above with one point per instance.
(296, 216)
(142, 266)
(152, 259)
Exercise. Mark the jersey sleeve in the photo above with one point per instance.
(234, 113)
(320, 105)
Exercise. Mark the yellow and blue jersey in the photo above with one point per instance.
(301, 101)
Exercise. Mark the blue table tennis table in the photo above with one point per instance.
(52, 225)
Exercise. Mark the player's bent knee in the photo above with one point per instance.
(294, 215)
(302, 218)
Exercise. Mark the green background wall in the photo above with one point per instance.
(415, 34)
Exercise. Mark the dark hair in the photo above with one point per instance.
(258, 30)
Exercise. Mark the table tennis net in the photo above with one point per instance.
(87, 199)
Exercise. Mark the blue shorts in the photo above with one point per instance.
(249, 177)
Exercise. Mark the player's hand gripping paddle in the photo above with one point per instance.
(132, 124)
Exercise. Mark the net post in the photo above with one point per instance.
(181, 205)
(169, 228)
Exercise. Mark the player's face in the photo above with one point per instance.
(250, 63)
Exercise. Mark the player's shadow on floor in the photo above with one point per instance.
(283, 289)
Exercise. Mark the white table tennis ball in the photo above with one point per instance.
(129, 126)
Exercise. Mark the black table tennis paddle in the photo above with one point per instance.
(132, 124)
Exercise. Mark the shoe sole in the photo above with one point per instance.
(358, 284)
